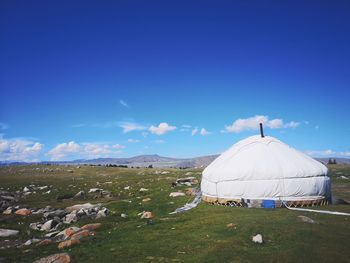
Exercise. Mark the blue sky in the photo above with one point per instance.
(86, 79)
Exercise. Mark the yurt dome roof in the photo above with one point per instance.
(265, 168)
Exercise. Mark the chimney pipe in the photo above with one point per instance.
(261, 130)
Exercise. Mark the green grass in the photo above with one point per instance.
(199, 235)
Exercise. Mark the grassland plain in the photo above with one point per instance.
(199, 235)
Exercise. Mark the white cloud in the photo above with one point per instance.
(3, 126)
(162, 128)
(144, 134)
(194, 131)
(344, 154)
(252, 123)
(124, 103)
(318, 153)
(159, 141)
(84, 150)
(133, 140)
(204, 132)
(130, 126)
(292, 124)
(19, 150)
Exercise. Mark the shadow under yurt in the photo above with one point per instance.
(261, 171)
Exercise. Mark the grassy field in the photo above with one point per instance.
(200, 235)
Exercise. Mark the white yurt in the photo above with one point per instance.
(263, 171)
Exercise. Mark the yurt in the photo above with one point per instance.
(262, 171)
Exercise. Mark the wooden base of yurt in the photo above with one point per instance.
(258, 203)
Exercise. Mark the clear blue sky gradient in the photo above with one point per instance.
(65, 64)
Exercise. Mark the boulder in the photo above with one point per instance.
(35, 226)
(8, 232)
(83, 233)
(8, 211)
(68, 232)
(56, 258)
(31, 241)
(49, 225)
(23, 212)
(80, 206)
(307, 220)
(102, 213)
(123, 215)
(44, 242)
(143, 189)
(257, 239)
(68, 243)
(26, 189)
(71, 218)
(147, 215)
(91, 226)
(146, 199)
(80, 194)
(56, 213)
(95, 190)
(127, 188)
(176, 194)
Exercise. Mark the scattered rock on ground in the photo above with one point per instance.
(257, 239)
(146, 199)
(147, 215)
(307, 219)
(231, 225)
(80, 206)
(56, 258)
(23, 212)
(91, 226)
(176, 194)
(8, 232)
(68, 243)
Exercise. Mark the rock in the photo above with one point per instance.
(26, 189)
(56, 213)
(71, 218)
(68, 243)
(68, 232)
(44, 242)
(143, 190)
(48, 225)
(80, 206)
(344, 177)
(231, 225)
(56, 258)
(31, 241)
(127, 188)
(8, 232)
(35, 226)
(147, 215)
(8, 211)
(23, 212)
(176, 194)
(91, 227)
(52, 234)
(190, 191)
(8, 198)
(164, 172)
(42, 187)
(47, 192)
(95, 190)
(27, 193)
(102, 213)
(257, 239)
(81, 234)
(70, 171)
(123, 215)
(80, 194)
(146, 199)
(307, 220)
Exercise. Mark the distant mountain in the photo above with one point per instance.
(154, 160)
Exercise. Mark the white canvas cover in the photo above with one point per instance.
(265, 168)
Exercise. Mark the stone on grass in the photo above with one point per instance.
(257, 239)
(146, 199)
(143, 189)
(91, 226)
(80, 206)
(25, 189)
(307, 220)
(147, 215)
(123, 215)
(8, 211)
(80, 194)
(23, 212)
(31, 241)
(231, 225)
(95, 190)
(47, 225)
(68, 243)
(102, 213)
(127, 188)
(176, 194)
(71, 218)
(8, 232)
(56, 258)
(44, 242)
(83, 233)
